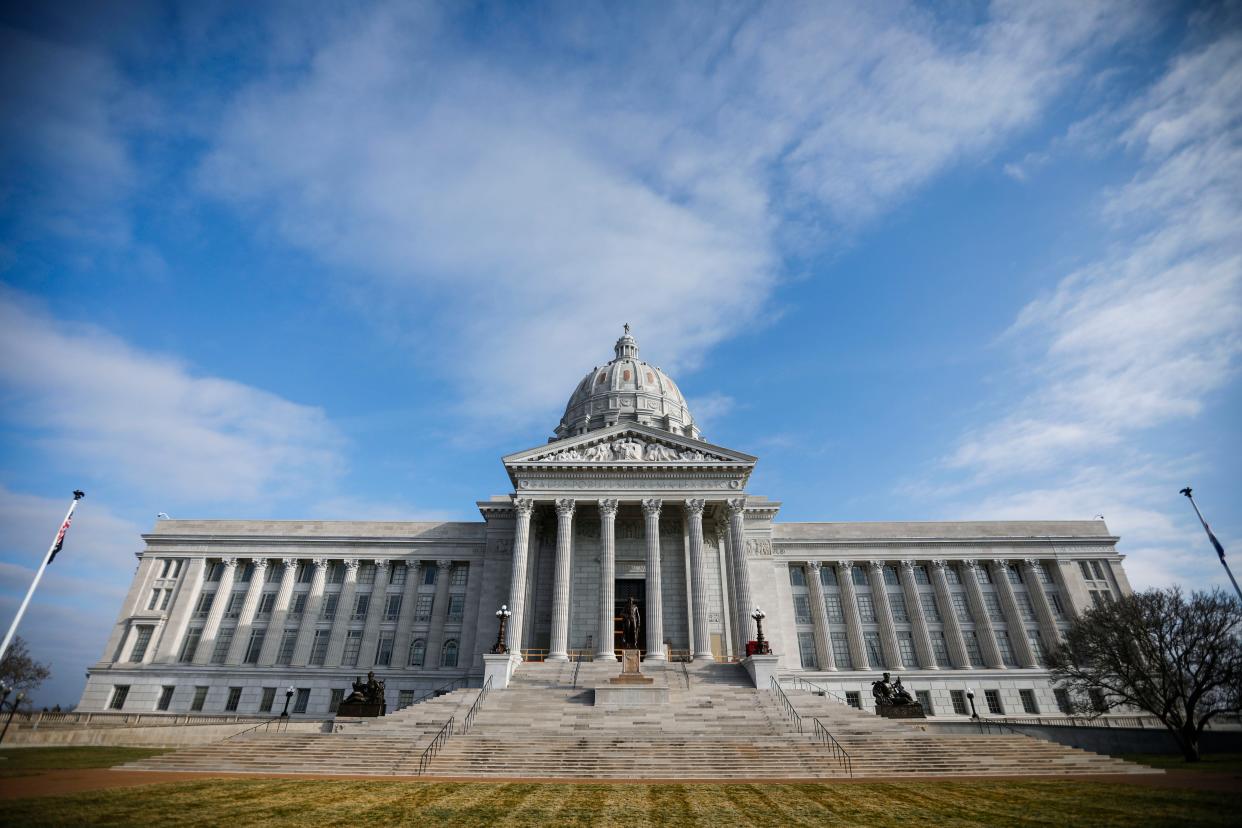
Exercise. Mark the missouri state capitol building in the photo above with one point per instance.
(628, 499)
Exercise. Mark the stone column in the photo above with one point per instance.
(1013, 616)
(436, 634)
(702, 645)
(375, 614)
(819, 614)
(405, 619)
(190, 588)
(344, 608)
(983, 622)
(914, 607)
(276, 626)
(522, 509)
(655, 591)
(560, 589)
(884, 615)
(1071, 587)
(224, 589)
(607, 579)
(853, 622)
(741, 574)
(952, 629)
(310, 615)
(245, 620)
(1043, 607)
(728, 622)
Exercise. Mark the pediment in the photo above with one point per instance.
(629, 444)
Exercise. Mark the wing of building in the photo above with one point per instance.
(628, 500)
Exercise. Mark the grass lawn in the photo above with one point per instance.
(25, 761)
(1208, 763)
(237, 802)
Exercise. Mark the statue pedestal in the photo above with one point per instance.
(631, 674)
(499, 668)
(761, 669)
(914, 710)
(348, 710)
(631, 688)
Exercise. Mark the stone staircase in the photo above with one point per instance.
(716, 726)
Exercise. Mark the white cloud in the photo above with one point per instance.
(146, 421)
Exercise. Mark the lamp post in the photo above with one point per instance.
(502, 615)
(284, 714)
(761, 646)
(970, 694)
(21, 694)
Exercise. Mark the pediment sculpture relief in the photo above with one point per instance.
(626, 448)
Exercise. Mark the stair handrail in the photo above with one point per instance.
(786, 704)
(429, 753)
(478, 703)
(266, 725)
(841, 754)
(442, 690)
(685, 673)
(577, 667)
(985, 725)
(797, 680)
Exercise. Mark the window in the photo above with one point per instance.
(958, 697)
(190, 645)
(392, 608)
(155, 599)
(224, 640)
(1037, 645)
(1098, 701)
(383, 652)
(940, 649)
(924, 698)
(841, 651)
(200, 698)
(460, 574)
(1041, 572)
(288, 641)
(985, 577)
(141, 640)
(166, 599)
(905, 644)
(319, 648)
(230, 706)
(806, 650)
(166, 694)
(267, 700)
(992, 601)
(456, 608)
(272, 573)
(405, 698)
(328, 611)
(1096, 598)
(266, 602)
(336, 572)
(1063, 701)
(303, 699)
(233, 608)
(176, 570)
(1086, 570)
(961, 609)
(853, 698)
(429, 575)
(362, 603)
(972, 649)
(952, 575)
(890, 576)
(366, 572)
(832, 603)
(167, 566)
(397, 573)
(334, 703)
(1098, 569)
(1015, 576)
(866, 608)
(448, 658)
(255, 646)
(215, 571)
(875, 655)
(860, 577)
(1025, 608)
(797, 576)
(921, 576)
(994, 702)
(418, 651)
(299, 605)
(1006, 649)
(1028, 702)
(353, 643)
(802, 609)
(928, 601)
(422, 609)
(897, 602)
(305, 572)
(827, 575)
(247, 573)
(203, 607)
(1058, 609)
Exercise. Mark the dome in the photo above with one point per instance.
(627, 390)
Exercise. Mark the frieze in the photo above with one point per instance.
(628, 449)
(756, 548)
(610, 484)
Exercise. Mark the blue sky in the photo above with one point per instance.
(976, 260)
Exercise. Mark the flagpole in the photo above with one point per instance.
(1220, 550)
(51, 551)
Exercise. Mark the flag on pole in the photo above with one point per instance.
(64, 527)
(1220, 550)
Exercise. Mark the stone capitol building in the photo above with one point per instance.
(627, 500)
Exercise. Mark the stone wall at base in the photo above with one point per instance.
(139, 736)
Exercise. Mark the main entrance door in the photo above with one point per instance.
(627, 588)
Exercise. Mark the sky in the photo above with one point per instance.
(331, 261)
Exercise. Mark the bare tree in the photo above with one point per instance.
(19, 671)
(1178, 659)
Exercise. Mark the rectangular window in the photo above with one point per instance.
(299, 605)
(1041, 572)
(155, 599)
(958, 697)
(806, 651)
(328, 611)
(166, 599)
(985, 575)
(224, 640)
(859, 576)
(994, 702)
(353, 643)
(230, 706)
(334, 703)
(940, 648)
(928, 601)
(288, 641)
(267, 700)
(247, 573)
(305, 572)
(362, 603)
(1025, 608)
(924, 698)
(405, 698)
(456, 608)
(992, 601)
(141, 640)
(1096, 598)
(460, 574)
(972, 648)
(266, 601)
(319, 647)
(1028, 702)
(952, 575)
(190, 645)
(1058, 609)
(802, 609)
(336, 572)
(897, 602)
(418, 652)
(366, 572)
(273, 573)
(853, 698)
(392, 607)
(921, 575)
(875, 654)
(1099, 702)
(841, 651)
(303, 699)
(397, 572)
(1098, 569)
(215, 570)
(1086, 570)
(961, 608)
(827, 575)
(1014, 574)
(200, 698)
(890, 576)
(203, 607)
(429, 574)
(832, 603)
(797, 576)
(1063, 701)
(233, 608)
(383, 651)
(255, 646)
(422, 609)
(1037, 645)
(166, 694)
(167, 566)
(905, 643)
(1006, 649)
(866, 608)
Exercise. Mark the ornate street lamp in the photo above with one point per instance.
(284, 714)
(761, 646)
(970, 694)
(502, 615)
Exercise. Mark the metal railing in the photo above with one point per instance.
(478, 703)
(800, 683)
(431, 750)
(685, 673)
(534, 655)
(35, 720)
(841, 755)
(786, 704)
(442, 690)
(281, 722)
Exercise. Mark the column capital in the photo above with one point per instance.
(908, 565)
(652, 506)
(352, 564)
(940, 563)
(289, 563)
(523, 505)
(229, 563)
(444, 563)
(971, 563)
(815, 565)
(1033, 563)
(259, 564)
(695, 506)
(381, 563)
(320, 563)
(845, 566)
(565, 506)
(608, 507)
(735, 506)
(876, 566)
(413, 563)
